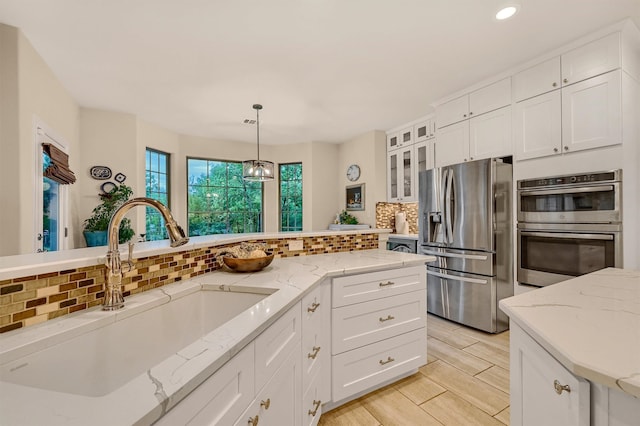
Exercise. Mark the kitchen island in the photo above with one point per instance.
(575, 351)
(161, 387)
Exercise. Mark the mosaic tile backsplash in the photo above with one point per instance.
(386, 215)
(29, 300)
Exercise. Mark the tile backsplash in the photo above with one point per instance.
(33, 299)
(385, 215)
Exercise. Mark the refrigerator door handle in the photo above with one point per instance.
(453, 277)
(447, 205)
(458, 256)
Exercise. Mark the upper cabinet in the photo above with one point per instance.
(570, 103)
(478, 102)
(424, 130)
(399, 139)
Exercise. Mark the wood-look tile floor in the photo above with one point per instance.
(465, 382)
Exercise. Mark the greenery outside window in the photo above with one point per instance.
(291, 197)
(157, 187)
(219, 201)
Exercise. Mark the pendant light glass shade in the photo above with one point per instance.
(257, 170)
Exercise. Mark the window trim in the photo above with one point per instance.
(167, 173)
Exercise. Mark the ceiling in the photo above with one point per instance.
(325, 70)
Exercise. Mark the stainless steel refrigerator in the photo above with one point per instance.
(465, 220)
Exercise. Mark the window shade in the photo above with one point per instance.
(58, 170)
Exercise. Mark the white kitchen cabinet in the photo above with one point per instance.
(313, 399)
(484, 136)
(580, 116)
(539, 79)
(221, 398)
(424, 158)
(378, 329)
(316, 341)
(400, 175)
(400, 139)
(592, 113)
(538, 126)
(594, 58)
(424, 130)
(481, 101)
(280, 400)
(543, 392)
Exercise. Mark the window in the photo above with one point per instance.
(157, 187)
(291, 197)
(219, 201)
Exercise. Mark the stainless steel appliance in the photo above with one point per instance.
(568, 226)
(466, 222)
(405, 244)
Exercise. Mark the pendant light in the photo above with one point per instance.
(257, 170)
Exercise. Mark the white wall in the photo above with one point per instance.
(369, 151)
(30, 91)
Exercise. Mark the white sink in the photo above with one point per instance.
(101, 360)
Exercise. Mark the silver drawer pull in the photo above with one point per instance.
(316, 404)
(389, 359)
(266, 404)
(388, 318)
(314, 354)
(313, 307)
(253, 421)
(388, 283)
(559, 388)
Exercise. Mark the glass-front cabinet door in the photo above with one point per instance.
(400, 175)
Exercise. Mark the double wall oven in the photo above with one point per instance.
(568, 226)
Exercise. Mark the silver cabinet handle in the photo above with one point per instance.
(565, 80)
(470, 113)
(388, 318)
(314, 354)
(554, 84)
(560, 388)
(316, 405)
(566, 148)
(313, 307)
(266, 404)
(389, 359)
(464, 115)
(555, 149)
(388, 283)
(253, 421)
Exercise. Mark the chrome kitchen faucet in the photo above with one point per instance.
(113, 298)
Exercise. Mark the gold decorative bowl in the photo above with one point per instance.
(253, 264)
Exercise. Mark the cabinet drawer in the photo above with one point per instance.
(316, 323)
(360, 369)
(376, 285)
(221, 398)
(275, 344)
(369, 322)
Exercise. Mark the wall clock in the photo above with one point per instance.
(353, 172)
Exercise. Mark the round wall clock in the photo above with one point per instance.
(353, 172)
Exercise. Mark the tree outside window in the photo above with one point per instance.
(157, 187)
(219, 201)
(291, 197)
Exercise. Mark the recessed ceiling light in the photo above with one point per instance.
(506, 9)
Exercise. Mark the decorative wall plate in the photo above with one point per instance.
(120, 178)
(100, 172)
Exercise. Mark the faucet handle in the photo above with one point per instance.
(129, 261)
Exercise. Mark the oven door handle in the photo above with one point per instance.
(604, 237)
(458, 256)
(453, 277)
(593, 188)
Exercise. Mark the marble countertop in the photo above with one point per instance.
(404, 236)
(139, 401)
(591, 324)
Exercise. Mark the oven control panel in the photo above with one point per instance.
(611, 176)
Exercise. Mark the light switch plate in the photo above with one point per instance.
(296, 245)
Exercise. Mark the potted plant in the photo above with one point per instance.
(95, 227)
